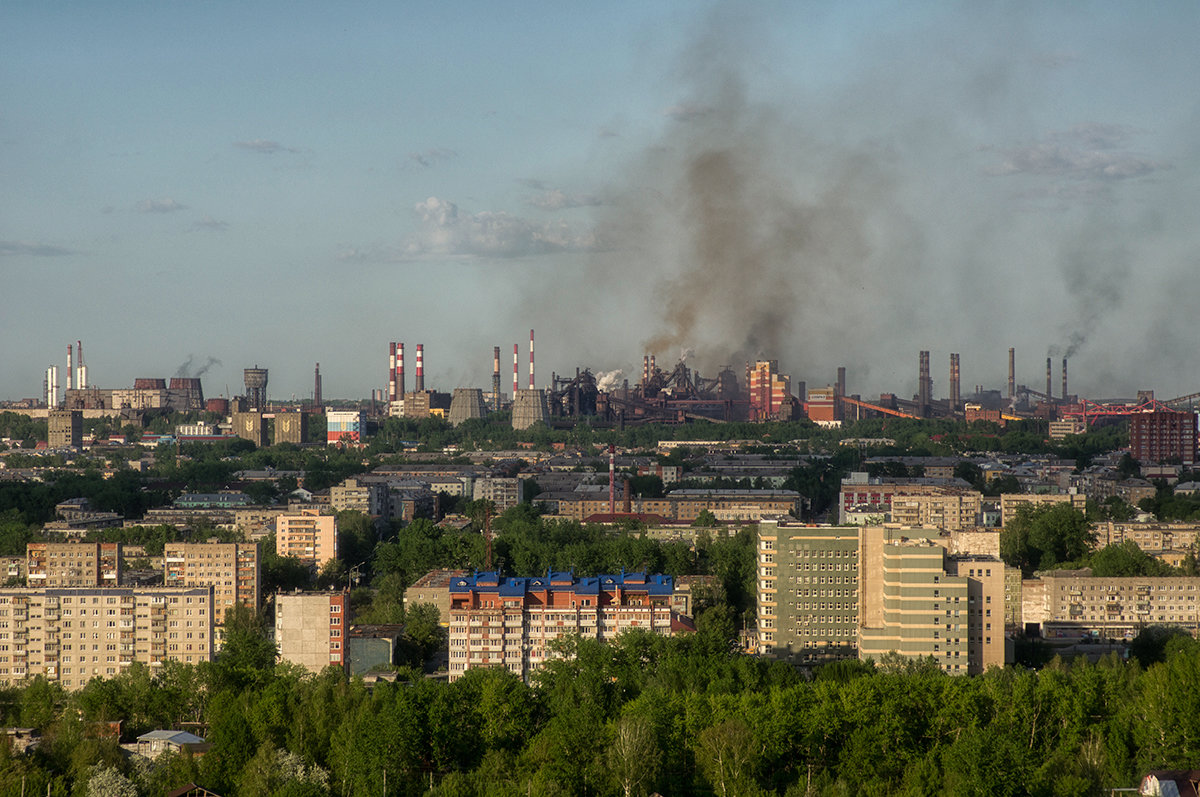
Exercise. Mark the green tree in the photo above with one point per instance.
(633, 756)
(247, 656)
(1039, 537)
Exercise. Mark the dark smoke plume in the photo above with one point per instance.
(185, 371)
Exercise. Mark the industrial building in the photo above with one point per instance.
(71, 635)
(343, 427)
(505, 622)
(251, 426)
(291, 427)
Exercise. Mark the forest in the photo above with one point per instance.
(685, 715)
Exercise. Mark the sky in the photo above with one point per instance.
(197, 188)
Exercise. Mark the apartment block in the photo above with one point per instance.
(510, 622)
(71, 635)
(808, 586)
(64, 429)
(1163, 436)
(230, 568)
(1153, 538)
(503, 492)
(360, 495)
(1074, 602)
(950, 508)
(830, 592)
(307, 535)
(1010, 502)
(311, 628)
(73, 564)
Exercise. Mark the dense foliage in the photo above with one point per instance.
(680, 716)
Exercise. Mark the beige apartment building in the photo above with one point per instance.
(73, 564)
(71, 635)
(829, 592)
(230, 568)
(311, 628)
(1074, 602)
(1009, 502)
(307, 535)
(1153, 538)
(950, 508)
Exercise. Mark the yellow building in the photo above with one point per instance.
(307, 535)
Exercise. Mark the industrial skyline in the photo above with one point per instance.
(210, 187)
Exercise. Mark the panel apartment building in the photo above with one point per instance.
(311, 628)
(510, 622)
(71, 635)
(830, 592)
(307, 535)
(73, 564)
(1074, 603)
(231, 568)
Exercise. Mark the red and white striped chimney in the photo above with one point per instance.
(392, 371)
(420, 367)
(70, 366)
(400, 370)
(516, 371)
(531, 359)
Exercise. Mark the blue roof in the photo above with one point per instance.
(491, 581)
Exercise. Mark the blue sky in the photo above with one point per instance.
(820, 183)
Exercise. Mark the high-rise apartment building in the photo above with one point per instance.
(307, 535)
(1163, 436)
(73, 564)
(72, 635)
(828, 592)
(311, 628)
(64, 429)
(230, 568)
(807, 590)
(510, 622)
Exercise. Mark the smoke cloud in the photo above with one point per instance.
(189, 368)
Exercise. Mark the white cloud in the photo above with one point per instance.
(443, 230)
(166, 205)
(263, 146)
(29, 248)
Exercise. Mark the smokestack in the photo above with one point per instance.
(70, 367)
(1012, 374)
(531, 359)
(516, 372)
(81, 382)
(1049, 380)
(400, 371)
(839, 393)
(612, 479)
(496, 378)
(955, 376)
(628, 498)
(1064, 379)
(645, 369)
(391, 371)
(317, 385)
(924, 382)
(652, 369)
(420, 386)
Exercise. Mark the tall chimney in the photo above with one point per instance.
(923, 382)
(1064, 379)
(628, 498)
(400, 370)
(81, 381)
(1049, 380)
(612, 479)
(531, 359)
(1012, 373)
(420, 386)
(496, 378)
(70, 367)
(839, 393)
(645, 369)
(317, 386)
(955, 387)
(392, 371)
(516, 372)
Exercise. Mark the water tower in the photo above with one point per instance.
(256, 388)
